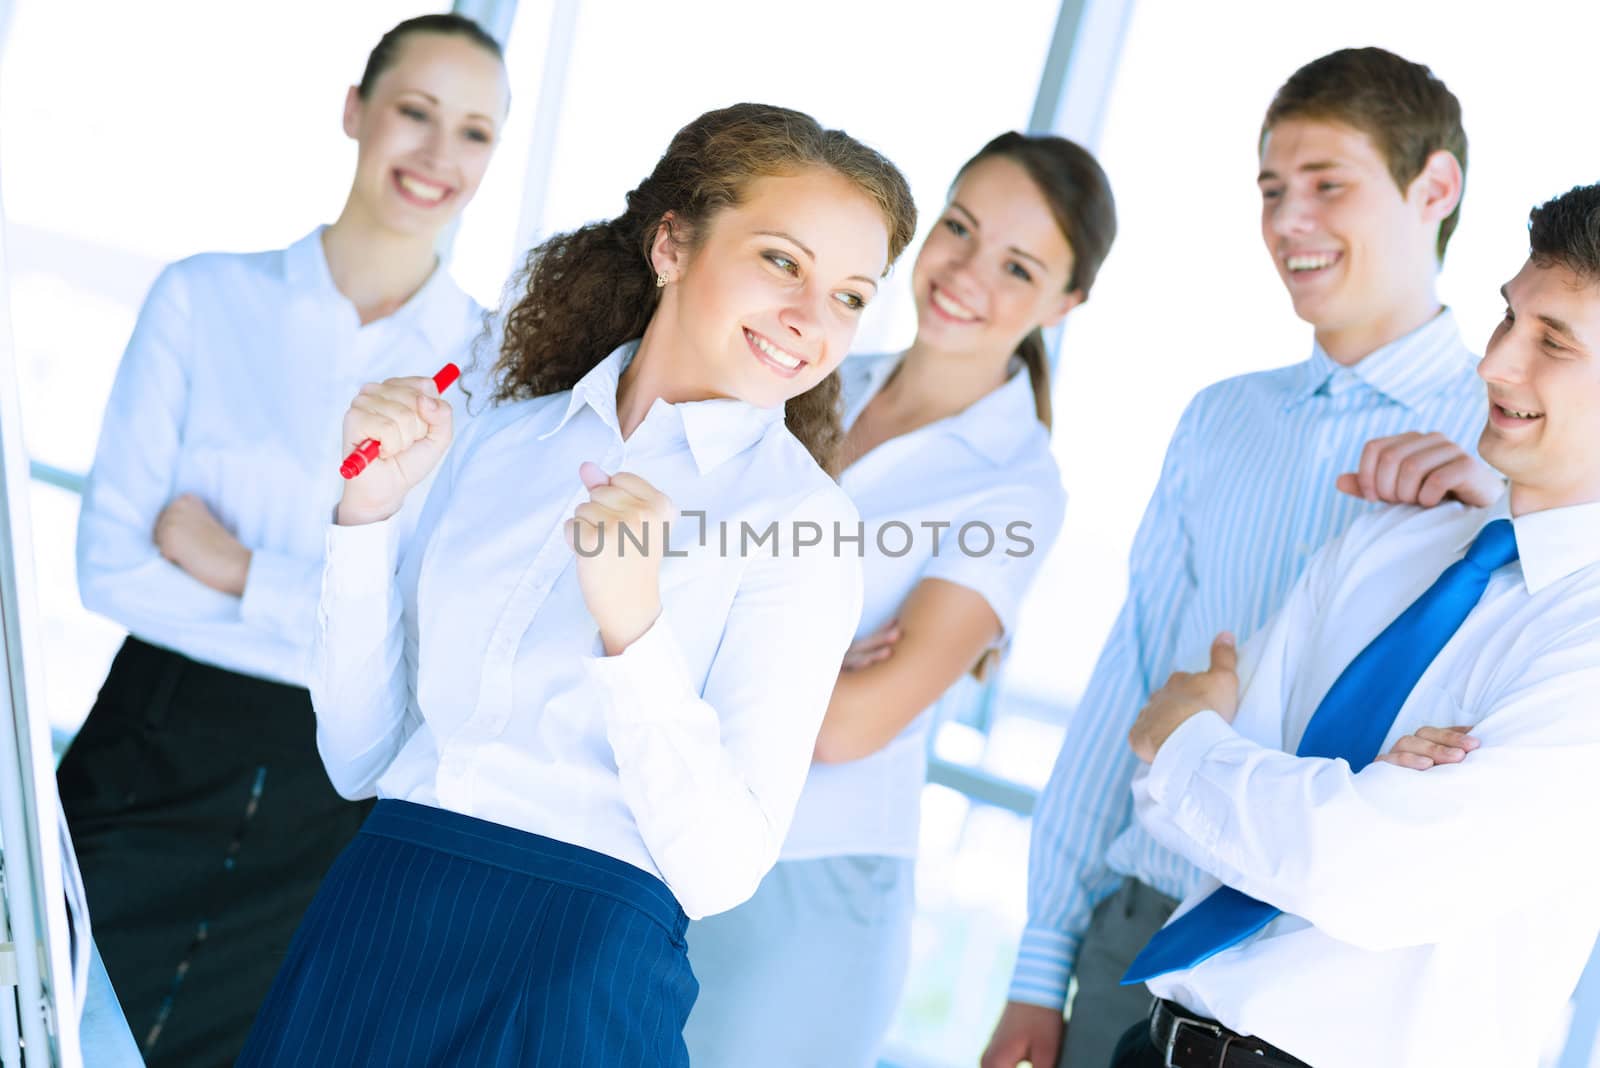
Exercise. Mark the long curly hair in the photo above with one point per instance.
(585, 292)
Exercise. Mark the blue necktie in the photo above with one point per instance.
(1350, 723)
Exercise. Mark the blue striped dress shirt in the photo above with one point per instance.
(1246, 496)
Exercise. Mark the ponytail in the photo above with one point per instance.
(1037, 360)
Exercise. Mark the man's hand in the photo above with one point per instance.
(1184, 695)
(1423, 469)
(190, 536)
(1030, 1033)
(1430, 746)
(864, 652)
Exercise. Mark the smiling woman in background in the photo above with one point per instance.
(953, 433)
(202, 816)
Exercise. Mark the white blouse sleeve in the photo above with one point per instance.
(364, 653)
(358, 671)
(121, 573)
(279, 590)
(712, 775)
(996, 547)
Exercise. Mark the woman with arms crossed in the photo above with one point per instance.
(583, 733)
(202, 816)
(949, 451)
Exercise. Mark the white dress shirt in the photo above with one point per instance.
(989, 466)
(1246, 495)
(1437, 917)
(475, 679)
(233, 388)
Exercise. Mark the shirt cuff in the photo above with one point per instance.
(280, 593)
(361, 559)
(1179, 758)
(644, 680)
(1045, 960)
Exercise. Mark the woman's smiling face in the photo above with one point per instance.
(425, 132)
(767, 302)
(996, 265)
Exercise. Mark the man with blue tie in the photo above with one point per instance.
(1361, 913)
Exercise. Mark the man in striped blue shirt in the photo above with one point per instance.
(1362, 164)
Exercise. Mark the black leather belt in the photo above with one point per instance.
(1190, 1041)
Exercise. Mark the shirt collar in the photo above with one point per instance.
(436, 311)
(860, 379)
(1001, 422)
(1408, 370)
(306, 264)
(1551, 544)
(715, 430)
(995, 426)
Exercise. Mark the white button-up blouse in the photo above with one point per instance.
(470, 675)
(233, 388)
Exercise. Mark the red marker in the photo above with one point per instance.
(367, 451)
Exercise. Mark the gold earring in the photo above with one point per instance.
(661, 281)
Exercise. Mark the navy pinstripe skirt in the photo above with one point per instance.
(440, 939)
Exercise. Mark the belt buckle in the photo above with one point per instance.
(1179, 1022)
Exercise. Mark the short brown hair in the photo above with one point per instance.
(586, 292)
(1402, 106)
(1565, 231)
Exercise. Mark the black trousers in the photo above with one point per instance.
(203, 823)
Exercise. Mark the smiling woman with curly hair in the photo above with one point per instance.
(579, 736)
